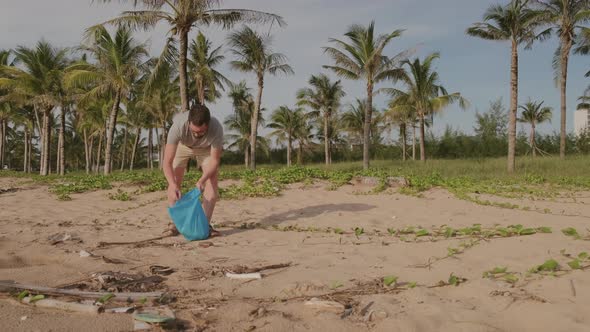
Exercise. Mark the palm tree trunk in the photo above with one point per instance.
(513, 108)
(183, 35)
(367, 129)
(300, 154)
(86, 152)
(200, 90)
(98, 151)
(254, 124)
(45, 143)
(533, 147)
(326, 140)
(61, 140)
(111, 132)
(247, 156)
(124, 148)
(413, 141)
(150, 148)
(30, 151)
(135, 143)
(26, 152)
(2, 141)
(402, 132)
(422, 143)
(289, 147)
(158, 141)
(162, 146)
(566, 45)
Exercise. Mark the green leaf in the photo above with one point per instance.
(389, 280)
(422, 232)
(527, 231)
(497, 270)
(143, 300)
(338, 231)
(544, 230)
(105, 298)
(453, 280)
(575, 264)
(412, 284)
(37, 298)
(391, 231)
(570, 231)
(407, 230)
(449, 232)
(511, 278)
(359, 231)
(503, 232)
(22, 295)
(336, 284)
(549, 266)
(583, 255)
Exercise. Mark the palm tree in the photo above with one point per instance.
(240, 121)
(119, 59)
(181, 16)
(534, 113)
(565, 17)
(6, 109)
(323, 97)
(286, 123)
(202, 63)
(161, 100)
(254, 55)
(424, 92)
(402, 112)
(516, 23)
(363, 59)
(37, 82)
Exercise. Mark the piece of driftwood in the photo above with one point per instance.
(331, 306)
(8, 284)
(68, 306)
(108, 244)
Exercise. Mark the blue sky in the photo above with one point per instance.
(478, 69)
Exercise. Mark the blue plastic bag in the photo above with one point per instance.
(189, 217)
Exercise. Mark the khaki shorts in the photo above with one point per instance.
(184, 154)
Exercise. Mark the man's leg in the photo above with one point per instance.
(210, 192)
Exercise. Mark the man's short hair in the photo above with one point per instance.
(199, 115)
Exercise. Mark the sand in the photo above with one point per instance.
(322, 263)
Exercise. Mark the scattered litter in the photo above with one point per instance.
(244, 275)
(84, 253)
(123, 310)
(63, 237)
(68, 306)
(141, 326)
(8, 285)
(161, 270)
(23, 318)
(330, 306)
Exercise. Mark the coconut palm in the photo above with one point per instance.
(565, 18)
(424, 92)
(37, 81)
(518, 24)
(402, 112)
(286, 122)
(353, 121)
(534, 113)
(323, 97)
(240, 121)
(253, 54)
(119, 59)
(202, 62)
(181, 16)
(362, 59)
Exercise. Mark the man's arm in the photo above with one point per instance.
(173, 190)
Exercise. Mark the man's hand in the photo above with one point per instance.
(200, 185)
(173, 195)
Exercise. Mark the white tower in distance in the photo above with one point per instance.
(581, 121)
